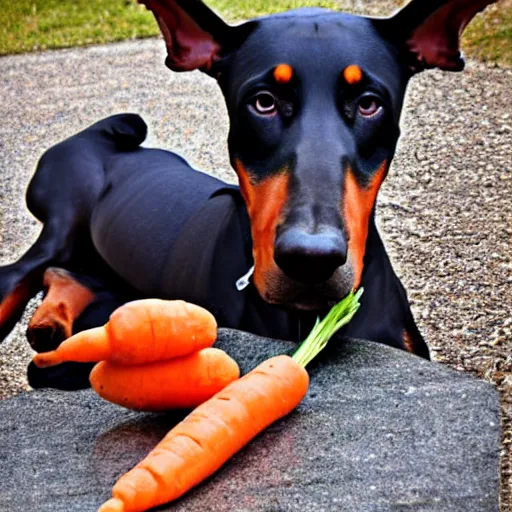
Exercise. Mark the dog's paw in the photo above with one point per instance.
(66, 376)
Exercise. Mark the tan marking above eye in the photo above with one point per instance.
(283, 73)
(352, 74)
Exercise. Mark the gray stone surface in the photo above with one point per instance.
(380, 430)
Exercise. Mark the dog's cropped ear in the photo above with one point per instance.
(431, 29)
(195, 36)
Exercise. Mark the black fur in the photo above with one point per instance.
(131, 222)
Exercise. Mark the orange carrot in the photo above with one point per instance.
(183, 382)
(210, 435)
(219, 427)
(139, 332)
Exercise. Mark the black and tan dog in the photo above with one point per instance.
(314, 100)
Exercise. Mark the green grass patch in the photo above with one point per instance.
(28, 25)
(31, 25)
(489, 37)
(235, 10)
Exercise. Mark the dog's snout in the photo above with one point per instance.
(310, 258)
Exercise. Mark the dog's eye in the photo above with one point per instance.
(264, 103)
(369, 106)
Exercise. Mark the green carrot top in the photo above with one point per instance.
(338, 316)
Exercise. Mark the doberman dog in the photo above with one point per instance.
(314, 100)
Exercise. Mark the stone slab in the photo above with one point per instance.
(380, 430)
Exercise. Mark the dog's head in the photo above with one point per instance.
(314, 99)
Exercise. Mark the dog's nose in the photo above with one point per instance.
(310, 258)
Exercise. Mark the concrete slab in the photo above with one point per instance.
(379, 430)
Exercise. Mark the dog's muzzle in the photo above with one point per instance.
(310, 258)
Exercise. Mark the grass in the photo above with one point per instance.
(489, 37)
(30, 25)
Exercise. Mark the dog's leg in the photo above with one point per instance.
(73, 301)
(62, 193)
(52, 199)
(20, 281)
(65, 300)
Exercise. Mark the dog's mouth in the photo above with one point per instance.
(278, 289)
(306, 301)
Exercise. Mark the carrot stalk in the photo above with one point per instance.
(139, 332)
(183, 382)
(218, 428)
(338, 316)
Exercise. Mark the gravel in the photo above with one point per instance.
(444, 211)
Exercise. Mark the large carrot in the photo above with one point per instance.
(183, 382)
(139, 332)
(218, 428)
(211, 434)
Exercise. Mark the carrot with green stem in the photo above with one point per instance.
(179, 383)
(211, 434)
(138, 332)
